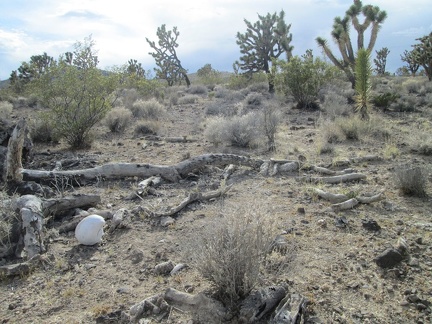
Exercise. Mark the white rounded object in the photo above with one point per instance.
(90, 230)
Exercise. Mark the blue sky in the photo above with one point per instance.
(207, 28)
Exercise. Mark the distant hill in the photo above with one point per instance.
(4, 84)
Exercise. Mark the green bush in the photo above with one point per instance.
(148, 109)
(118, 119)
(384, 100)
(303, 78)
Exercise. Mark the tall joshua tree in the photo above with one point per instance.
(381, 61)
(262, 42)
(165, 55)
(422, 54)
(373, 17)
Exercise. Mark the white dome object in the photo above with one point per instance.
(90, 230)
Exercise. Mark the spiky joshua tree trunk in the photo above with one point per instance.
(363, 72)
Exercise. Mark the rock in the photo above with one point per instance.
(371, 225)
(178, 267)
(389, 258)
(167, 221)
(164, 268)
(341, 222)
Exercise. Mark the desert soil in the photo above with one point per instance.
(332, 265)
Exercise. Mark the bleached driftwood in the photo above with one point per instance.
(206, 309)
(192, 197)
(153, 305)
(325, 171)
(348, 204)
(120, 170)
(290, 310)
(335, 179)
(370, 199)
(260, 303)
(13, 166)
(333, 198)
(55, 206)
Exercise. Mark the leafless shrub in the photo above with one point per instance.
(260, 87)
(148, 109)
(221, 108)
(229, 95)
(188, 99)
(330, 132)
(232, 250)
(118, 119)
(254, 100)
(421, 141)
(271, 117)
(335, 105)
(411, 180)
(5, 109)
(127, 98)
(8, 223)
(149, 127)
(240, 131)
(197, 89)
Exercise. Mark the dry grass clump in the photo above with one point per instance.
(5, 109)
(241, 131)
(411, 180)
(413, 85)
(149, 127)
(118, 119)
(7, 221)
(335, 105)
(405, 103)
(228, 95)
(421, 140)
(188, 99)
(197, 89)
(260, 87)
(221, 108)
(148, 109)
(231, 252)
(42, 131)
(254, 100)
(127, 98)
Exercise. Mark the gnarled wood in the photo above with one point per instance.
(333, 198)
(349, 204)
(58, 205)
(336, 179)
(13, 166)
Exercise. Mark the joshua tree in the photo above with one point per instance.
(263, 41)
(165, 55)
(363, 72)
(373, 17)
(413, 65)
(422, 54)
(381, 61)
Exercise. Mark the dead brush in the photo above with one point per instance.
(232, 251)
(411, 181)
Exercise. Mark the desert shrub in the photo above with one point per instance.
(413, 85)
(188, 99)
(302, 78)
(128, 97)
(148, 109)
(150, 127)
(405, 103)
(5, 109)
(271, 118)
(384, 100)
(260, 87)
(220, 108)
(228, 95)
(8, 221)
(232, 251)
(411, 180)
(42, 130)
(240, 131)
(426, 89)
(335, 105)
(19, 102)
(421, 140)
(330, 132)
(254, 100)
(118, 119)
(352, 128)
(197, 89)
(242, 81)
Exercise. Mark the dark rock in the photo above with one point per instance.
(341, 222)
(389, 258)
(371, 225)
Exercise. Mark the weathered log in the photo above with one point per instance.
(203, 308)
(333, 198)
(55, 206)
(370, 199)
(30, 209)
(179, 139)
(153, 305)
(291, 310)
(192, 197)
(260, 303)
(19, 269)
(366, 158)
(13, 167)
(326, 171)
(336, 179)
(119, 170)
(349, 204)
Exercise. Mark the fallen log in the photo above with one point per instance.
(333, 198)
(120, 170)
(335, 179)
(370, 199)
(349, 204)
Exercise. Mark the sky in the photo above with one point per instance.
(207, 28)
